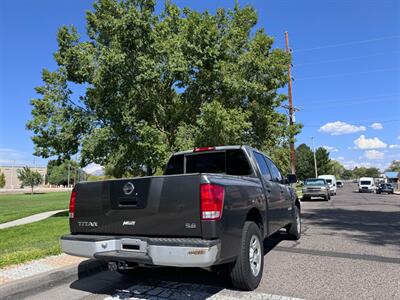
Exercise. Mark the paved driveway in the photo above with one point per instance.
(350, 249)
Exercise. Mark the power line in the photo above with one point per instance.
(343, 104)
(347, 43)
(344, 59)
(346, 100)
(346, 74)
(364, 123)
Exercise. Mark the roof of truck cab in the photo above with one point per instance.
(215, 149)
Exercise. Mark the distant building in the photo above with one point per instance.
(12, 181)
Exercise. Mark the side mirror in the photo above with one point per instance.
(291, 178)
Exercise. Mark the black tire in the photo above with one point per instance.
(241, 274)
(294, 228)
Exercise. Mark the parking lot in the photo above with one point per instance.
(350, 249)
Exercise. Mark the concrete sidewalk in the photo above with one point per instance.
(24, 280)
(16, 272)
(31, 219)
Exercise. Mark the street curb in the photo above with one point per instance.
(27, 286)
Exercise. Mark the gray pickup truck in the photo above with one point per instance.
(212, 208)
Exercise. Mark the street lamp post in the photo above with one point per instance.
(315, 159)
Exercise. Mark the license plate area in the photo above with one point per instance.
(133, 245)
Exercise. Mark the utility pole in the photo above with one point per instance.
(315, 159)
(69, 171)
(291, 136)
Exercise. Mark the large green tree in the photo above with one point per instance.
(323, 161)
(304, 162)
(158, 83)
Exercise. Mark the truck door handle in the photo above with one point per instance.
(282, 191)
(269, 190)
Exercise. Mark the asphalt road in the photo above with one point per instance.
(350, 249)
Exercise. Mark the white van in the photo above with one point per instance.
(331, 180)
(366, 184)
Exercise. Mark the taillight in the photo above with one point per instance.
(201, 149)
(72, 204)
(212, 201)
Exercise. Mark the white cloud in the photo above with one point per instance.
(94, 169)
(376, 126)
(340, 128)
(330, 148)
(398, 137)
(394, 147)
(340, 158)
(365, 143)
(374, 154)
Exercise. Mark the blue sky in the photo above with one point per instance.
(346, 69)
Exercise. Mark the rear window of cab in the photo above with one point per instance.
(230, 162)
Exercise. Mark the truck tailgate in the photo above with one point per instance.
(148, 206)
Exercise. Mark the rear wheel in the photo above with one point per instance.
(247, 270)
(294, 229)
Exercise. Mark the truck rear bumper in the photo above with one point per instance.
(177, 252)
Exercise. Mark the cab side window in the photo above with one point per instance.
(276, 175)
(263, 166)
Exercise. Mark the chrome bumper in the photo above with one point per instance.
(157, 251)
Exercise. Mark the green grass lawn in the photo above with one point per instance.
(32, 241)
(17, 206)
(299, 191)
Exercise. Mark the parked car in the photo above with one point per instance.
(212, 207)
(339, 184)
(385, 188)
(366, 184)
(316, 187)
(331, 180)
